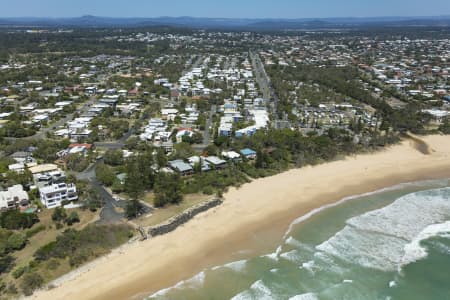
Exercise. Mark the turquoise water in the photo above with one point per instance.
(392, 244)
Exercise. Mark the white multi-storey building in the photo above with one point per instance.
(53, 195)
(14, 197)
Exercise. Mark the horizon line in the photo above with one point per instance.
(229, 18)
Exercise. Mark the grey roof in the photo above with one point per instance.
(215, 160)
(180, 166)
(21, 154)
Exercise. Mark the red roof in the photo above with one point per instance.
(185, 129)
(87, 146)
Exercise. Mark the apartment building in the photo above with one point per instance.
(53, 195)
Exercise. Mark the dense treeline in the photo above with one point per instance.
(345, 81)
(278, 149)
(86, 244)
(15, 220)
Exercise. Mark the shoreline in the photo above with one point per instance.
(249, 222)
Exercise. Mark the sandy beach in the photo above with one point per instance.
(249, 222)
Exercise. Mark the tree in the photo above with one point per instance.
(132, 143)
(134, 182)
(211, 150)
(168, 189)
(140, 175)
(117, 186)
(161, 158)
(23, 178)
(133, 209)
(72, 218)
(77, 162)
(183, 150)
(105, 174)
(259, 163)
(113, 157)
(47, 149)
(93, 199)
(59, 214)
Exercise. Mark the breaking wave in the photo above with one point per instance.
(389, 238)
(384, 239)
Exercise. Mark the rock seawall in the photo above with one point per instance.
(184, 217)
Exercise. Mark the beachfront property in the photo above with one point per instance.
(248, 153)
(216, 162)
(182, 168)
(231, 156)
(54, 195)
(196, 160)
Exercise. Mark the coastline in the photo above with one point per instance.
(251, 217)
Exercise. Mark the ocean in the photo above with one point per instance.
(392, 244)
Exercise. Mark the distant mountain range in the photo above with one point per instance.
(226, 23)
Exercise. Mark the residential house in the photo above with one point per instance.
(14, 197)
(52, 196)
(22, 157)
(216, 162)
(184, 133)
(248, 153)
(195, 160)
(18, 167)
(232, 156)
(181, 167)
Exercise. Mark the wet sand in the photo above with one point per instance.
(251, 221)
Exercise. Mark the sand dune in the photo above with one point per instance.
(250, 221)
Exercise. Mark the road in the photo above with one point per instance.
(109, 213)
(197, 62)
(264, 83)
(261, 76)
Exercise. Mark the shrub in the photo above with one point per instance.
(12, 289)
(53, 264)
(19, 271)
(207, 190)
(6, 263)
(14, 220)
(16, 241)
(30, 283)
(84, 244)
(72, 218)
(45, 252)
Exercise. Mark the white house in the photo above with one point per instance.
(53, 195)
(14, 197)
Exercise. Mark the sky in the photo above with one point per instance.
(224, 8)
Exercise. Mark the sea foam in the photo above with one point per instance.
(414, 251)
(389, 238)
(194, 282)
(307, 296)
(258, 290)
(237, 266)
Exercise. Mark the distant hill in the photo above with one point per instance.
(225, 23)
